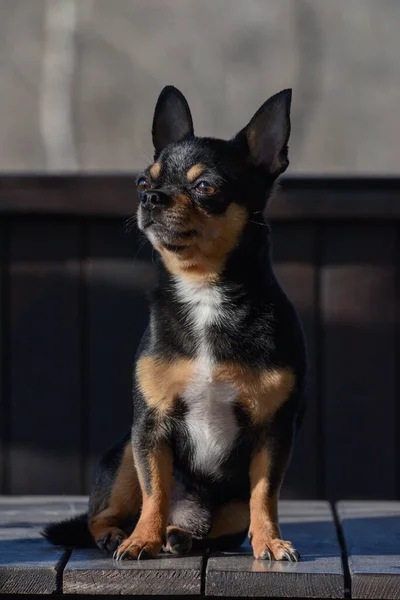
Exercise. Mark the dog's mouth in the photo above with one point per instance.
(174, 248)
(174, 240)
(186, 234)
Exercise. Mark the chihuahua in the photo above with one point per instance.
(219, 376)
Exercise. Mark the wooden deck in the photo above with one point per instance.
(351, 550)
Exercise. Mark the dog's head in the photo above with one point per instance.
(200, 193)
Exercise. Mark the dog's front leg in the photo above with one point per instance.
(267, 468)
(154, 466)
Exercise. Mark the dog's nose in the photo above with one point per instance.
(152, 199)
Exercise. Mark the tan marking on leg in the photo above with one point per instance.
(232, 517)
(262, 392)
(126, 495)
(125, 500)
(264, 528)
(194, 172)
(161, 381)
(263, 508)
(204, 256)
(107, 525)
(149, 531)
(155, 170)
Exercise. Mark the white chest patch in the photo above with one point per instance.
(210, 419)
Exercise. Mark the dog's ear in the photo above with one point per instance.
(172, 119)
(267, 134)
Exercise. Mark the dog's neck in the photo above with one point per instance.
(246, 267)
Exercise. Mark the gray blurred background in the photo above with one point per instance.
(79, 78)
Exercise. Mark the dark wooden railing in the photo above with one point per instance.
(73, 307)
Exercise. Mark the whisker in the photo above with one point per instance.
(258, 223)
(149, 158)
(129, 223)
(141, 246)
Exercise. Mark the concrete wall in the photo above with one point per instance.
(79, 78)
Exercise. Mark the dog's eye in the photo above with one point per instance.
(143, 184)
(205, 188)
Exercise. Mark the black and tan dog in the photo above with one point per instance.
(220, 373)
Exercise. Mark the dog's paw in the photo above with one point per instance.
(178, 541)
(274, 549)
(110, 540)
(137, 548)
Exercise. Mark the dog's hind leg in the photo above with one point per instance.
(189, 519)
(193, 524)
(178, 540)
(230, 524)
(115, 499)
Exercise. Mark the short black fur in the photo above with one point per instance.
(260, 330)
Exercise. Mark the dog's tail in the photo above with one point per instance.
(70, 532)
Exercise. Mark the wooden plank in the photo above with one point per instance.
(93, 195)
(371, 533)
(118, 273)
(89, 572)
(39, 509)
(350, 198)
(310, 526)
(358, 361)
(45, 427)
(28, 563)
(294, 254)
(300, 198)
